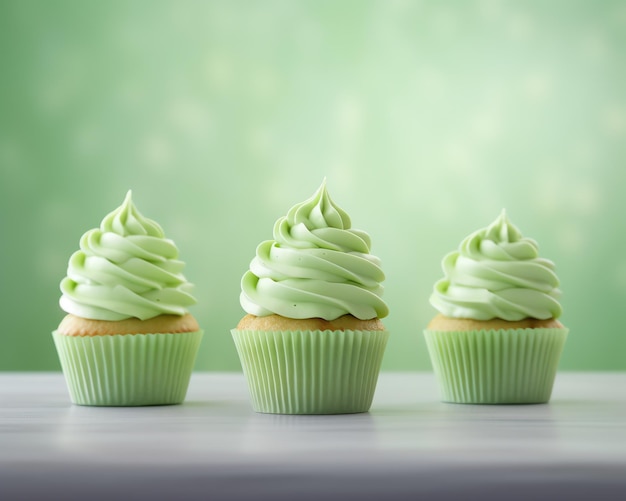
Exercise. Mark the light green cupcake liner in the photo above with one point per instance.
(128, 369)
(311, 372)
(515, 366)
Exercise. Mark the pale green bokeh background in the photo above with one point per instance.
(427, 118)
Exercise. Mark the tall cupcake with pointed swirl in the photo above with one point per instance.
(128, 338)
(497, 338)
(312, 341)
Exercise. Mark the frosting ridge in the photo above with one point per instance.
(316, 266)
(497, 273)
(125, 268)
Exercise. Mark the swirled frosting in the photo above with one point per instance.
(125, 268)
(497, 273)
(316, 266)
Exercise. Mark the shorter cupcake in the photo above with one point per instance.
(312, 341)
(497, 339)
(128, 338)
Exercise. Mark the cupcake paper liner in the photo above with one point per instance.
(515, 366)
(128, 369)
(311, 372)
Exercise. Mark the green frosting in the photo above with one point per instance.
(124, 269)
(317, 266)
(496, 273)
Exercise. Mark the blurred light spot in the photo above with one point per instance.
(584, 154)
(219, 71)
(620, 15)
(447, 207)
(486, 126)
(10, 156)
(491, 9)
(548, 194)
(180, 229)
(87, 140)
(50, 261)
(555, 190)
(264, 84)
(401, 6)
(586, 198)
(309, 38)
(459, 158)
(430, 82)
(349, 117)
(260, 142)
(520, 26)
(570, 238)
(62, 79)
(595, 47)
(130, 93)
(342, 178)
(55, 96)
(445, 23)
(192, 118)
(620, 274)
(156, 152)
(615, 120)
(538, 86)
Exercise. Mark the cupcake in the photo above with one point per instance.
(127, 338)
(312, 340)
(497, 338)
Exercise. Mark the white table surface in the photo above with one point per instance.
(409, 445)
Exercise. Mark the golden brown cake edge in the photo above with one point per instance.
(280, 323)
(443, 323)
(72, 325)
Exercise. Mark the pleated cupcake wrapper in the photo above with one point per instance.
(311, 372)
(515, 366)
(128, 369)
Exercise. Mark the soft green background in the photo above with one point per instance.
(427, 118)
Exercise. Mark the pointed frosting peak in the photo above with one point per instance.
(502, 230)
(125, 268)
(127, 220)
(497, 273)
(319, 211)
(316, 266)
